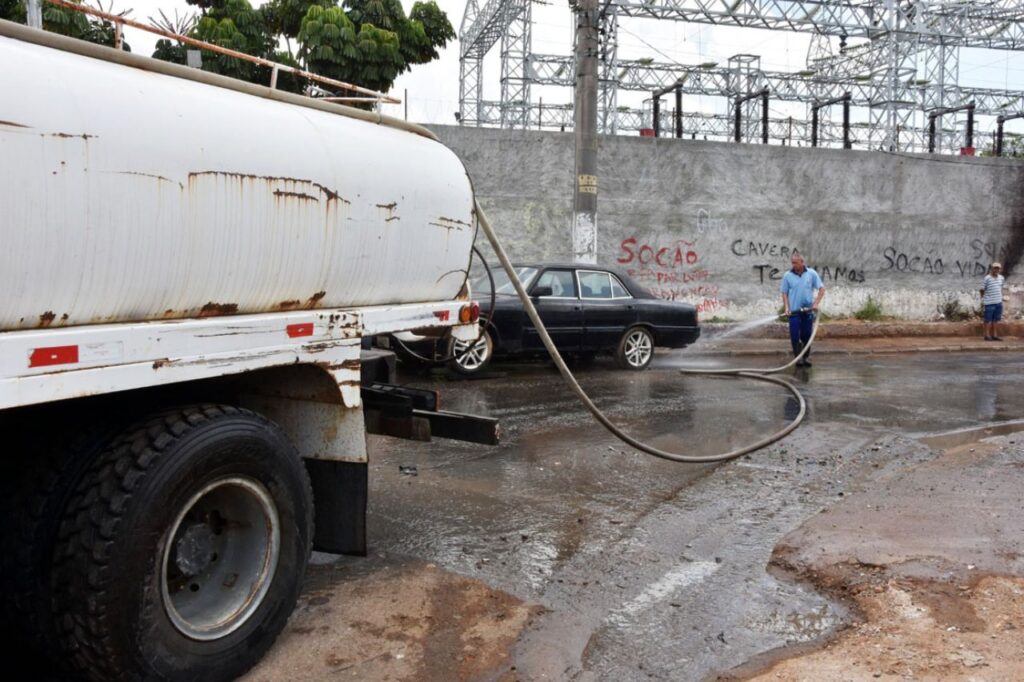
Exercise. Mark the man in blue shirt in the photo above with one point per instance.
(800, 303)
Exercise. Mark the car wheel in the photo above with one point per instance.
(472, 357)
(636, 349)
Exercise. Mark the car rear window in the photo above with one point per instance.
(619, 291)
(600, 285)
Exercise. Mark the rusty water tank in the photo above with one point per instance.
(128, 195)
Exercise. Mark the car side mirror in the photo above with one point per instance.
(540, 291)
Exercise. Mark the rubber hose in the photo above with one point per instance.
(531, 311)
(756, 370)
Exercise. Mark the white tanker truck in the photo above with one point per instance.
(188, 267)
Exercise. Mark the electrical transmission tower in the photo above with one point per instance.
(902, 67)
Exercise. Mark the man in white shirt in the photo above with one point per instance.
(992, 300)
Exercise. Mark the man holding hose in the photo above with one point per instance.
(800, 303)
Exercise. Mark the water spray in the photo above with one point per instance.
(747, 373)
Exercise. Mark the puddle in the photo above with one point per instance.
(952, 439)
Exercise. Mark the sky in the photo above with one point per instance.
(433, 89)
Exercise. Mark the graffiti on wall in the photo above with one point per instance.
(973, 263)
(781, 253)
(670, 269)
(674, 269)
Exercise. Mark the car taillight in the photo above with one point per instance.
(469, 313)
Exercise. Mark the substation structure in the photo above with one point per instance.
(898, 61)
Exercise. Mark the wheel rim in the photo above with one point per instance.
(638, 348)
(220, 558)
(471, 355)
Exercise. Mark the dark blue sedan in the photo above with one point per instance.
(587, 310)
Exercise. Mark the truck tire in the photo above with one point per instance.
(33, 499)
(636, 349)
(183, 548)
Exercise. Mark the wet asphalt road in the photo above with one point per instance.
(648, 569)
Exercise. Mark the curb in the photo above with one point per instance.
(866, 351)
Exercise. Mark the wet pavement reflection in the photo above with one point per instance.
(651, 569)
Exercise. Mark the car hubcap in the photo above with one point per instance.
(471, 355)
(220, 557)
(638, 349)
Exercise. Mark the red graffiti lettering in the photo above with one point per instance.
(674, 255)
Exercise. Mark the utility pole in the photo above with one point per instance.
(584, 216)
(34, 10)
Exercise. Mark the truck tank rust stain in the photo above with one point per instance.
(317, 297)
(295, 195)
(84, 136)
(212, 309)
(289, 305)
(389, 211)
(450, 223)
(13, 124)
(47, 318)
(150, 175)
(330, 194)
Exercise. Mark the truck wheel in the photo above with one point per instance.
(183, 549)
(33, 501)
(472, 357)
(636, 349)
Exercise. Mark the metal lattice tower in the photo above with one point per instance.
(905, 64)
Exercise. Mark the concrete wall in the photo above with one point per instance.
(714, 223)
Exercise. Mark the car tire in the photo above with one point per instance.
(471, 358)
(183, 549)
(636, 349)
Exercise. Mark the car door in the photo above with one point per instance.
(608, 309)
(561, 312)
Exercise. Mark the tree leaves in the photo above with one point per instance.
(64, 21)
(368, 43)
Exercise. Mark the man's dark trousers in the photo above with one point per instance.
(800, 326)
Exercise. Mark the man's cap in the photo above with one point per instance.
(997, 265)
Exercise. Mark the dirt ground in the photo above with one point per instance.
(931, 564)
(413, 622)
(884, 539)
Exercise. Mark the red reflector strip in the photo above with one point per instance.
(304, 329)
(54, 355)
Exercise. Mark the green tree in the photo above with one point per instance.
(373, 42)
(368, 42)
(1013, 147)
(332, 46)
(232, 24)
(64, 21)
(284, 17)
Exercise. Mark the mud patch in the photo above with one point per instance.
(407, 622)
(921, 630)
(930, 564)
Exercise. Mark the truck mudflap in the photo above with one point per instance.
(340, 490)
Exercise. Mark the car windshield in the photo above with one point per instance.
(502, 284)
